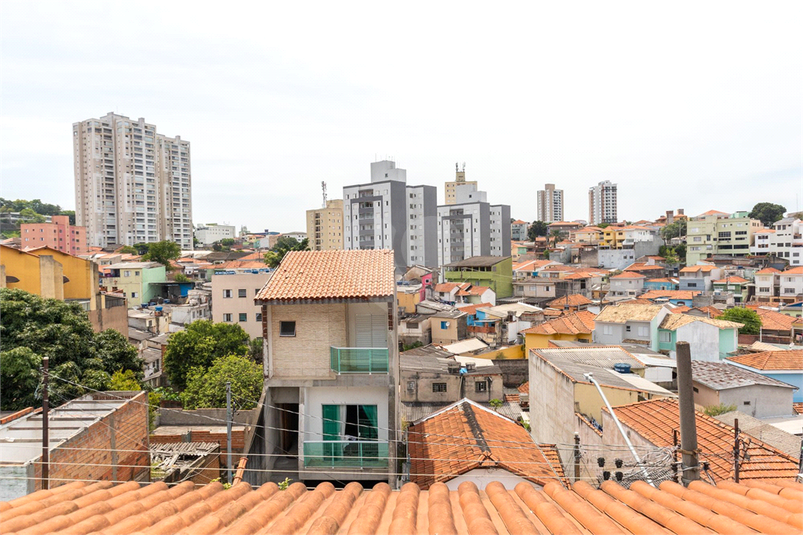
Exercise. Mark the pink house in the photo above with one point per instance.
(58, 234)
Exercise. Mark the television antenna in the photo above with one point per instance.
(323, 189)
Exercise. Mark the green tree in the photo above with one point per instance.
(536, 229)
(142, 248)
(670, 257)
(227, 242)
(495, 404)
(31, 216)
(163, 252)
(19, 374)
(602, 225)
(283, 245)
(124, 381)
(680, 251)
(748, 317)
(70, 214)
(127, 249)
(62, 332)
(767, 212)
(206, 388)
(198, 345)
(674, 230)
(555, 235)
(181, 277)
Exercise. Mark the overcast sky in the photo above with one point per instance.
(694, 105)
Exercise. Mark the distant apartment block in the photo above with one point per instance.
(212, 232)
(58, 234)
(550, 204)
(386, 213)
(719, 233)
(233, 292)
(450, 195)
(132, 185)
(472, 227)
(602, 203)
(325, 226)
(518, 230)
(784, 240)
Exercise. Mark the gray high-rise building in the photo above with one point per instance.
(550, 204)
(132, 185)
(386, 213)
(602, 203)
(471, 226)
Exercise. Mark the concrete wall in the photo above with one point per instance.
(514, 372)
(703, 340)
(609, 333)
(588, 401)
(551, 404)
(759, 401)
(235, 305)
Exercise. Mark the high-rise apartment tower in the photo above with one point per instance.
(602, 203)
(132, 185)
(550, 204)
(450, 191)
(325, 226)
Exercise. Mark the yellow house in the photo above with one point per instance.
(613, 237)
(81, 279)
(588, 235)
(408, 299)
(40, 275)
(574, 327)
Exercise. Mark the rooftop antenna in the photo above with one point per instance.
(464, 167)
(323, 188)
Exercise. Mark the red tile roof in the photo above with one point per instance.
(323, 275)
(473, 290)
(574, 300)
(789, 359)
(733, 279)
(241, 264)
(663, 280)
(640, 266)
(774, 321)
(472, 309)
(794, 271)
(713, 212)
(767, 271)
(655, 420)
(581, 322)
(798, 407)
(669, 294)
(524, 388)
(680, 309)
(466, 436)
(702, 268)
(628, 275)
(748, 507)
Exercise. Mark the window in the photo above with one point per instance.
(480, 386)
(227, 317)
(696, 391)
(243, 316)
(134, 294)
(136, 273)
(444, 325)
(664, 336)
(126, 273)
(226, 293)
(287, 328)
(259, 316)
(352, 421)
(439, 387)
(242, 292)
(627, 328)
(746, 403)
(607, 329)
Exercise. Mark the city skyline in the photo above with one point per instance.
(271, 116)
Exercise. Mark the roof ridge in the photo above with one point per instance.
(474, 426)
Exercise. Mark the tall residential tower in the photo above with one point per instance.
(602, 203)
(450, 191)
(132, 185)
(550, 204)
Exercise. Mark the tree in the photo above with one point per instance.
(163, 252)
(555, 234)
(680, 251)
(198, 345)
(206, 388)
(536, 229)
(70, 214)
(127, 249)
(670, 257)
(603, 225)
(32, 328)
(495, 404)
(767, 212)
(181, 277)
(142, 248)
(674, 230)
(748, 317)
(227, 242)
(283, 245)
(31, 216)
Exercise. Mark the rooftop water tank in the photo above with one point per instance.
(621, 367)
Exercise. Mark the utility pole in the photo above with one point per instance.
(736, 450)
(688, 418)
(228, 428)
(45, 434)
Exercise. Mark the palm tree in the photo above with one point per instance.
(555, 235)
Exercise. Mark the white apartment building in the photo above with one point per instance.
(784, 240)
(233, 292)
(132, 185)
(602, 203)
(472, 227)
(212, 232)
(550, 204)
(388, 214)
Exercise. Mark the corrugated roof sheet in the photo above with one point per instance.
(324, 275)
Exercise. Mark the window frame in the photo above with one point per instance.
(286, 333)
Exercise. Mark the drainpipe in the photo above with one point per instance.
(589, 377)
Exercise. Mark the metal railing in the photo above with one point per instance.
(345, 454)
(358, 359)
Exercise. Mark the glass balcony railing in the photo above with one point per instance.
(358, 359)
(345, 454)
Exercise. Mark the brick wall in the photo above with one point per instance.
(125, 430)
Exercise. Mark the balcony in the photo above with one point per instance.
(358, 359)
(345, 454)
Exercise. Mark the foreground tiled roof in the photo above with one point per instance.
(579, 322)
(466, 436)
(749, 507)
(790, 359)
(574, 300)
(323, 275)
(655, 420)
(774, 321)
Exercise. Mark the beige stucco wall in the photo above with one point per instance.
(307, 353)
(588, 400)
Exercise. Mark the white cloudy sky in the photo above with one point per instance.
(683, 104)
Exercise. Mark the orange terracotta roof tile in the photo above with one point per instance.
(769, 505)
(472, 309)
(789, 359)
(680, 309)
(798, 407)
(794, 271)
(241, 264)
(767, 271)
(640, 266)
(702, 268)
(473, 290)
(524, 388)
(574, 300)
(774, 321)
(664, 279)
(655, 420)
(322, 275)
(713, 212)
(712, 311)
(628, 275)
(733, 279)
(669, 294)
(581, 322)
(466, 436)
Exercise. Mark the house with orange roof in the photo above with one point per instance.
(465, 443)
(630, 324)
(574, 326)
(535, 289)
(570, 303)
(767, 283)
(709, 339)
(699, 278)
(782, 365)
(530, 268)
(732, 284)
(590, 235)
(518, 230)
(653, 424)
(475, 295)
(776, 328)
(661, 283)
(329, 323)
(234, 285)
(791, 284)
